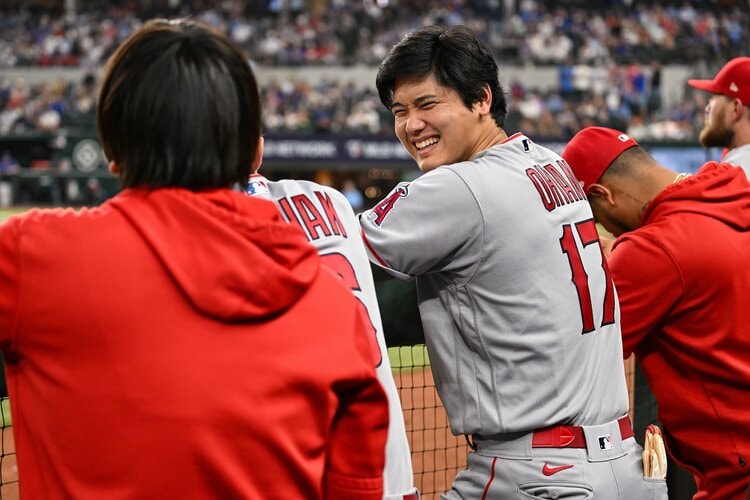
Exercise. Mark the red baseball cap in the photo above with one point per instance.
(733, 80)
(592, 150)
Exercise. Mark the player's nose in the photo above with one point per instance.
(414, 123)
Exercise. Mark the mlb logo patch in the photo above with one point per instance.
(257, 186)
(605, 442)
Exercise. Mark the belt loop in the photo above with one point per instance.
(470, 442)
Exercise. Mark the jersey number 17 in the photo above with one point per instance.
(587, 233)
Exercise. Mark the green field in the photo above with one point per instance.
(407, 357)
(7, 212)
(5, 412)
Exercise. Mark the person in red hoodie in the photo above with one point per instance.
(679, 264)
(182, 340)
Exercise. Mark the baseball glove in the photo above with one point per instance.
(654, 454)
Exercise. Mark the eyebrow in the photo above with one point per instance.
(417, 101)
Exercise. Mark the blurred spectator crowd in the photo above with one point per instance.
(609, 58)
(335, 32)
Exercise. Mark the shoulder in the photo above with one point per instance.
(739, 156)
(52, 216)
(293, 186)
(647, 243)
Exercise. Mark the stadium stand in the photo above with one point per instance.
(565, 65)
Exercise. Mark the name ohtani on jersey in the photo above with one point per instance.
(556, 184)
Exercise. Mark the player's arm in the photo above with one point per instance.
(9, 277)
(422, 226)
(356, 448)
(648, 284)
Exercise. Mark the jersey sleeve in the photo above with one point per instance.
(9, 280)
(424, 226)
(354, 468)
(648, 283)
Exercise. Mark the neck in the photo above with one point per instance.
(493, 137)
(660, 178)
(650, 182)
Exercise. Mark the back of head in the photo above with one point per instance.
(594, 151)
(179, 107)
(457, 59)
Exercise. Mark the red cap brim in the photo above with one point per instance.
(707, 85)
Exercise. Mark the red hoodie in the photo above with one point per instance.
(172, 344)
(683, 279)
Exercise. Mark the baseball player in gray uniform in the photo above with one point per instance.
(328, 221)
(727, 121)
(520, 315)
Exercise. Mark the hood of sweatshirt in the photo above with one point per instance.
(232, 255)
(717, 190)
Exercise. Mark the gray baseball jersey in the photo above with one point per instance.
(520, 314)
(328, 221)
(739, 156)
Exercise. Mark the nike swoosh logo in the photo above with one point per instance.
(548, 471)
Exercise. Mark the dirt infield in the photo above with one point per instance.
(9, 480)
(437, 455)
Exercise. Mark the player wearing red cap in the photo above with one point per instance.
(727, 122)
(680, 269)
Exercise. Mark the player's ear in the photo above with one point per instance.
(113, 168)
(485, 101)
(258, 156)
(602, 192)
(738, 109)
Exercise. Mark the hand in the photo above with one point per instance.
(606, 241)
(654, 454)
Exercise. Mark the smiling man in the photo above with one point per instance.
(520, 315)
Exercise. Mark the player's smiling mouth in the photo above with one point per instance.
(426, 143)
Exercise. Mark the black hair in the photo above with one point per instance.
(179, 107)
(629, 163)
(455, 56)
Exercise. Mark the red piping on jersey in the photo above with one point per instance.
(492, 478)
(373, 252)
(512, 137)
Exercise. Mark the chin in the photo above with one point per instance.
(426, 167)
(711, 137)
(423, 166)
